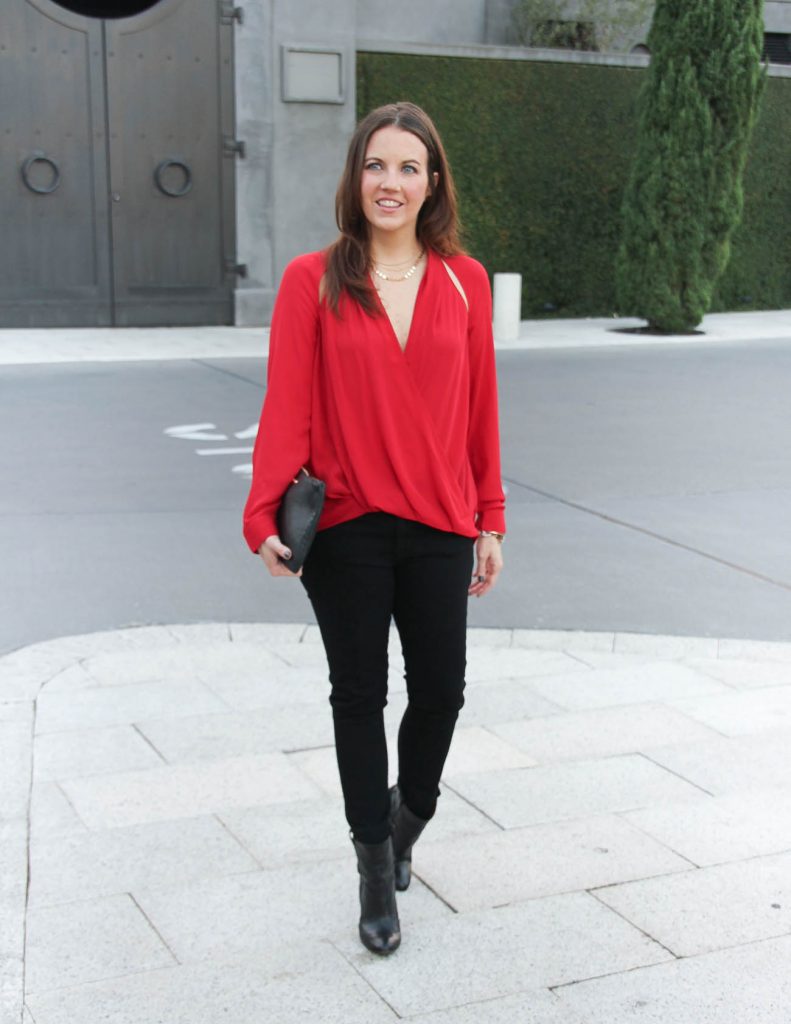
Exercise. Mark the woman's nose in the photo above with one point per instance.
(390, 179)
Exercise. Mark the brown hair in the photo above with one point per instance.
(348, 258)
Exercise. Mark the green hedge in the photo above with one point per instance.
(540, 153)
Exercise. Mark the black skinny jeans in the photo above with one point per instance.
(358, 575)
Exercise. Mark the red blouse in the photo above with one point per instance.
(410, 432)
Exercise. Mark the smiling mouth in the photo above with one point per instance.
(388, 204)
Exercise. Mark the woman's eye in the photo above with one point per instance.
(374, 165)
(411, 169)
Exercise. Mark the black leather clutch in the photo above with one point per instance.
(298, 517)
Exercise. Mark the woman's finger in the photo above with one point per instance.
(487, 569)
(479, 585)
(274, 543)
(272, 551)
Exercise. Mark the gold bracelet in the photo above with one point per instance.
(492, 533)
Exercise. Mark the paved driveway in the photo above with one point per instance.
(649, 490)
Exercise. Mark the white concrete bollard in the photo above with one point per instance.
(507, 306)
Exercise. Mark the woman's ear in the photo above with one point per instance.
(435, 179)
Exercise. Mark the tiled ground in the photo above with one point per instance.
(612, 844)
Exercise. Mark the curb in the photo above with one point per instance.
(33, 346)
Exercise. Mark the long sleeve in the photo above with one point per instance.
(412, 432)
(283, 442)
(483, 439)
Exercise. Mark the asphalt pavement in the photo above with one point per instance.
(613, 839)
(649, 482)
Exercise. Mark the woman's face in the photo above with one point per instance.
(395, 180)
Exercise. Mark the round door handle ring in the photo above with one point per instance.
(167, 189)
(36, 157)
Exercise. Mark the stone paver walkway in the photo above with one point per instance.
(612, 844)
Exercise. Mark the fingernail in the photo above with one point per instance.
(287, 554)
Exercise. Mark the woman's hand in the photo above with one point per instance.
(489, 562)
(269, 551)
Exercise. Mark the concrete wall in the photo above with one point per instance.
(777, 16)
(255, 75)
(310, 138)
(286, 184)
(295, 150)
(422, 21)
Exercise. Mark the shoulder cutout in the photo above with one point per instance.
(457, 284)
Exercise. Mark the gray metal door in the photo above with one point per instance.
(122, 209)
(55, 257)
(168, 176)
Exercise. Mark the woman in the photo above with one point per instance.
(381, 380)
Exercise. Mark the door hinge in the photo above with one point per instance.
(229, 13)
(232, 267)
(233, 147)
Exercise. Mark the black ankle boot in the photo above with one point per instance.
(380, 930)
(405, 828)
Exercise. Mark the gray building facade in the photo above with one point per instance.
(163, 166)
(295, 138)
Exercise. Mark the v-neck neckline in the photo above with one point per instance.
(383, 308)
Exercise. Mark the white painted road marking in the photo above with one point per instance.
(223, 451)
(209, 432)
(196, 432)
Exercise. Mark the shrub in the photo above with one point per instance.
(684, 195)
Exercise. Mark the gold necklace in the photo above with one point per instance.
(395, 266)
(404, 277)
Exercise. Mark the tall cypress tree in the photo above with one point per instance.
(684, 195)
